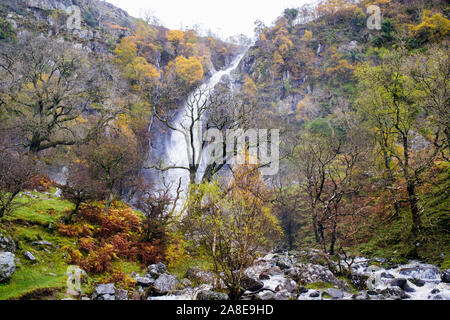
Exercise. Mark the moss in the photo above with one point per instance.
(319, 285)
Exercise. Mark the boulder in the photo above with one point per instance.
(334, 293)
(7, 243)
(445, 276)
(251, 284)
(7, 265)
(314, 294)
(121, 294)
(400, 282)
(394, 293)
(312, 273)
(164, 284)
(104, 292)
(417, 282)
(359, 281)
(144, 281)
(155, 270)
(211, 295)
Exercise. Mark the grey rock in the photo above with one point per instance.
(211, 295)
(400, 282)
(121, 294)
(199, 275)
(394, 293)
(386, 275)
(359, 281)
(7, 265)
(164, 284)
(334, 293)
(314, 294)
(7, 243)
(251, 284)
(264, 276)
(144, 281)
(422, 271)
(435, 291)
(42, 244)
(311, 273)
(104, 292)
(445, 276)
(417, 282)
(29, 256)
(156, 270)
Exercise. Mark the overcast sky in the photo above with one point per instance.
(224, 17)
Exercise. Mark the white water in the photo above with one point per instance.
(177, 150)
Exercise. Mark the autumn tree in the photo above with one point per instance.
(48, 89)
(80, 187)
(233, 223)
(394, 107)
(16, 173)
(113, 160)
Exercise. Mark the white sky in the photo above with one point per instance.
(223, 17)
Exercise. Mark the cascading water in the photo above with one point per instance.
(176, 154)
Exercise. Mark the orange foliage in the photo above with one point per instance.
(104, 238)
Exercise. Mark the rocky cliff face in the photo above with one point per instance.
(90, 24)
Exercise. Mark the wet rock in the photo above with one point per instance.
(266, 295)
(359, 281)
(264, 276)
(417, 282)
(7, 244)
(334, 293)
(155, 270)
(311, 273)
(445, 276)
(400, 282)
(7, 265)
(29, 256)
(422, 271)
(287, 285)
(165, 284)
(435, 291)
(314, 294)
(394, 293)
(284, 263)
(211, 295)
(301, 290)
(386, 275)
(251, 284)
(104, 292)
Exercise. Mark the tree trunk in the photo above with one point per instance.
(8, 203)
(333, 239)
(413, 203)
(108, 203)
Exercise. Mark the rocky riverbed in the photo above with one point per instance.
(296, 276)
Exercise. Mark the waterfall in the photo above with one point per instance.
(176, 152)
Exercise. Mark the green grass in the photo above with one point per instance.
(28, 223)
(319, 285)
(181, 269)
(33, 220)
